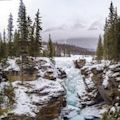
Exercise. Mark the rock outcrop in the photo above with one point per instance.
(50, 111)
(106, 80)
(37, 100)
(42, 98)
(61, 73)
(79, 63)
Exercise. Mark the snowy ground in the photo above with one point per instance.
(74, 85)
(26, 95)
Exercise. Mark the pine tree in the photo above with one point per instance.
(1, 51)
(23, 31)
(29, 27)
(110, 34)
(10, 35)
(115, 39)
(118, 40)
(105, 53)
(51, 49)
(38, 39)
(16, 46)
(10, 27)
(22, 24)
(4, 46)
(32, 47)
(99, 51)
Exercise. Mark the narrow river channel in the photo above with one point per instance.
(73, 84)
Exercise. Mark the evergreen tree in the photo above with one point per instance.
(23, 31)
(111, 32)
(105, 46)
(1, 50)
(10, 27)
(16, 47)
(99, 51)
(32, 47)
(118, 40)
(10, 35)
(29, 27)
(111, 35)
(51, 49)
(4, 46)
(38, 39)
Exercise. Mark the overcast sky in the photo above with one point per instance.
(63, 18)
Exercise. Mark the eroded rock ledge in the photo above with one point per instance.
(37, 100)
(42, 98)
(102, 83)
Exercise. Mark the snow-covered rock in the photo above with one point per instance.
(32, 98)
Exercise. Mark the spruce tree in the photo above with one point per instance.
(99, 52)
(111, 32)
(22, 25)
(51, 49)
(106, 42)
(4, 46)
(110, 35)
(38, 39)
(29, 27)
(32, 47)
(16, 45)
(23, 31)
(118, 40)
(10, 27)
(1, 50)
(10, 35)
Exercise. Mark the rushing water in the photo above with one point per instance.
(73, 84)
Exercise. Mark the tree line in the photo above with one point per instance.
(109, 45)
(26, 39)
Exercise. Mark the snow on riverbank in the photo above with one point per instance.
(40, 91)
(34, 92)
(31, 96)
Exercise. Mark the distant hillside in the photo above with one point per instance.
(62, 49)
(85, 42)
(70, 49)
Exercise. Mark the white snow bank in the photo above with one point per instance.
(12, 65)
(26, 97)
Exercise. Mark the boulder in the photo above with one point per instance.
(52, 110)
(79, 63)
(50, 75)
(61, 74)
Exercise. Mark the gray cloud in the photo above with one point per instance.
(53, 29)
(64, 18)
(96, 25)
(60, 28)
(66, 27)
(78, 26)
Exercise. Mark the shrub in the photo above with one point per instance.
(9, 92)
(114, 115)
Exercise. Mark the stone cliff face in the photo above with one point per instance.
(106, 80)
(39, 99)
(50, 111)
